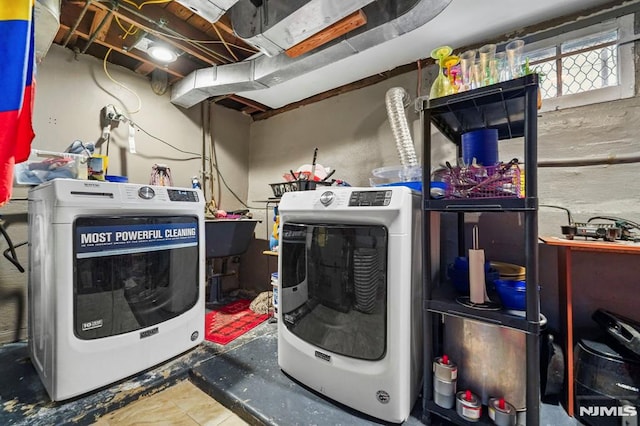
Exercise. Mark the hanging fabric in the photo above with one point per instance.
(17, 56)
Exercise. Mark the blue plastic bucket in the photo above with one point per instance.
(481, 145)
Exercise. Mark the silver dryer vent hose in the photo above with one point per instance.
(396, 99)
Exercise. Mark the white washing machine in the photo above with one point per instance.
(350, 288)
(116, 280)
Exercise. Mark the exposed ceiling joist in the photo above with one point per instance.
(253, 104)
(93, 26)
(98, 25)
(115, 47)
(210, 56)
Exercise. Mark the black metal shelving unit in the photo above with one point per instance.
(510, 107)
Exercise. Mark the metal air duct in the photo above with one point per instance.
(275, 26)
(386, 19)
(47, 22)
(211, 10)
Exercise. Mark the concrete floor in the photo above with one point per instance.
(241, 377)
(24, 401)
(204, 386)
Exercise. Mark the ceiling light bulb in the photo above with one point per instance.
(162, 53)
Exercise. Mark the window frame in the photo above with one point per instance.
(626, 64)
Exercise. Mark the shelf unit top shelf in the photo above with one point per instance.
(498, 106)
(481, 204)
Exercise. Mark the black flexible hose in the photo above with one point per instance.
(561, 208)
(10, 253)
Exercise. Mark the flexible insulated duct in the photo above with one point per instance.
(396, 99)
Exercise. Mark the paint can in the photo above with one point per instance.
(274, 291)
(501, 412)
(468, 406)
(445, 375)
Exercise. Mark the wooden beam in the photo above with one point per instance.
(248, 102)
(98, 16)
(178, 10)
(224, 25)
(59, 36)
(145, 68)
(248, 110)
(62, 33)
(340, 28)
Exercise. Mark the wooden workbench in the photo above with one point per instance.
(565, 249)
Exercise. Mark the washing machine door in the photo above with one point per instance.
(132, 272)
(334, 287)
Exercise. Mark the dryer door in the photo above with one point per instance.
(334, 287)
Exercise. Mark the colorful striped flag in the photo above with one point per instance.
(17, 87)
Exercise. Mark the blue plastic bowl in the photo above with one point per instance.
(512, 293)
(458, 273)
(437, 189)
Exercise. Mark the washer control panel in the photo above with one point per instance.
(370, 198)
(182, 195)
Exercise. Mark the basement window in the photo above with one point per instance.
(585, 66)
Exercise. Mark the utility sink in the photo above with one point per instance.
(228, 237)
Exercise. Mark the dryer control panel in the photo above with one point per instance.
(370, 198)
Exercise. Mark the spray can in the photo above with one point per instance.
(501, 412)
(445, 375)
(468, 406)
(195, 183)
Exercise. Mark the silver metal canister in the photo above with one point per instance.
(468, 406)
(501, 412)
(489, 369)
(445, 375)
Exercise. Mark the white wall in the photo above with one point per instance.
(351, 132)
(230, 130)
(69, 95)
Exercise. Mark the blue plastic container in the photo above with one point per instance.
(512, 293)
(482, 145)
(115, 178)
(415, 185)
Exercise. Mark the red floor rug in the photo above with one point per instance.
(231, 321)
